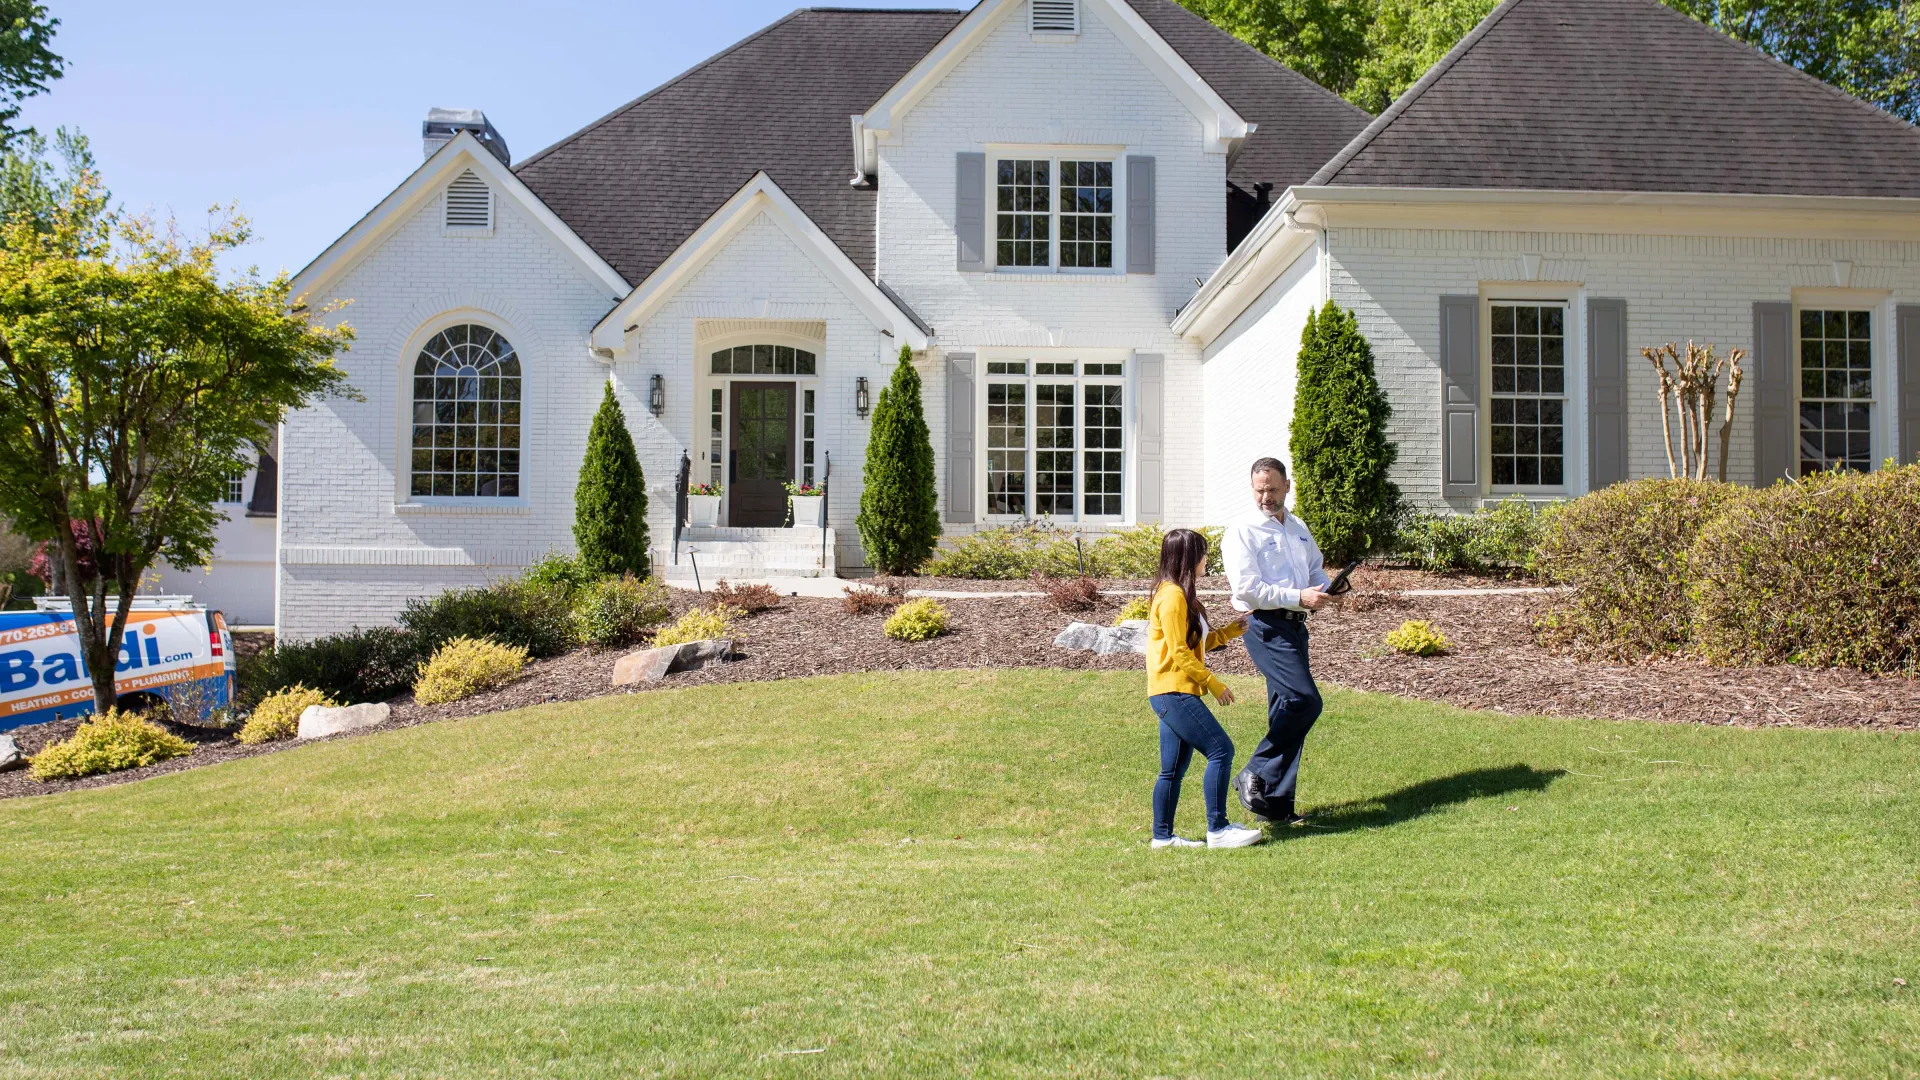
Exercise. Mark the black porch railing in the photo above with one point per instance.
(680, 504)
(826, 487)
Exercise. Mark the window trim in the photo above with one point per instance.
(1875, 307)
(531, 401)
(1129, 445)
(1054, 154)
(1573, 431)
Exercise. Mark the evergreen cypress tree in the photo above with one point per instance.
(1339, 440)
(899, 506)
(610, 503)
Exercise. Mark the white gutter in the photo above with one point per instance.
(1335, 195)
(1278, 238)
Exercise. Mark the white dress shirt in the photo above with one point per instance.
(1270, 560)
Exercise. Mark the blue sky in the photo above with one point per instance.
(306, 115)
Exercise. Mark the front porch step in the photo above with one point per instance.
(747, 553)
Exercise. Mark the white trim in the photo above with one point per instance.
(759, 196)
(1276, 243)
(1224, 128)
(1113, 156)
(530, 396)
(461, 153)
(1129, 447)
(1571, 298)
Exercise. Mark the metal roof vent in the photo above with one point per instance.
(1054, 16)
(469, 203)
(441, 125)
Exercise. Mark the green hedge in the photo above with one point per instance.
(1013, 552)
(1496, 539)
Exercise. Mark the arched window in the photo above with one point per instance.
(466, 415)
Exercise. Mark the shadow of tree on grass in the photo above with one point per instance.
(1418, 800)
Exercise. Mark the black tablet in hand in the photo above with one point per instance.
(1340, 584)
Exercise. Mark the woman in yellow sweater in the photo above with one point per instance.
(1178, 639)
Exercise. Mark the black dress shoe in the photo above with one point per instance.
(1247, 786)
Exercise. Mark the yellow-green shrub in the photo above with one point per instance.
(916, 620)
(108, 743)
(464, 667)
(1137, 608)
(278, 715)
(1417, 637)
(700, 624)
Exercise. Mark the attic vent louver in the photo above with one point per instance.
(1054, 16)
(469, 203)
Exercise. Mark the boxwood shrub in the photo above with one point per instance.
(359, 665)
(534, 616)
(1011, 552)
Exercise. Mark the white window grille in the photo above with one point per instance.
(716, 429)
(466, 415)
(1055, 439)
(1053, 213)
(1054, 16)
(469, 203)
(236, 490)
(806, 436)
(1836, 391)
(1527, 413)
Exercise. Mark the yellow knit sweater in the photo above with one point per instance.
(1172, 665)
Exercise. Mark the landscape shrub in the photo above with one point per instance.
(1338, 441)
(700, 624)
(1011, 552)
(916, 620)
(610, 500)
(466, 666)
(880, 594)
(1626, 551)
(278, 714)
(560, 571)
(1496, 539)
(1417, 637)
(1822, 571)
(752, 599)
(899, 519)
(1069, 594)
(359, 665)
(618, 610)
(537, 618)
(1133, 610)
(108, 743)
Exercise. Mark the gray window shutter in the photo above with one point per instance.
(970, 211)
(960, 438)
(1606, 393)
(1774, 439)
(1907, 390)
(1139, 215)
(1150, 375)
(1460, 396)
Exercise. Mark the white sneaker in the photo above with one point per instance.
(1234, 836)
(1176, 841)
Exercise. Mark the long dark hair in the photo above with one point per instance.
(1180, 553)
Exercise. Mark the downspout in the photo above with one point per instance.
(1325, 242)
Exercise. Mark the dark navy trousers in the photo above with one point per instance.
(1279, 649)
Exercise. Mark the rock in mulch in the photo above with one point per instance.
(11, 757)
(319, 721)
(1128, 637)
(652, 665)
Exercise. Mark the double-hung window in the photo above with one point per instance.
(1528, 403)
(1053, 213)
(1836, 390)
(1055, 439)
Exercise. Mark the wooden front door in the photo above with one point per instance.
(761, 458)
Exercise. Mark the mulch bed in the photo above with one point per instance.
(1493, 665)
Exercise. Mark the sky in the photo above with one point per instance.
(307, 115)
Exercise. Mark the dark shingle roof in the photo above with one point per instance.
(1626, 95)
(1302, 124)
(641, 179)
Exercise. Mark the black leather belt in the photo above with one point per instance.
(1283, 614)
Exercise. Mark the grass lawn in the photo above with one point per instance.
(945, 873)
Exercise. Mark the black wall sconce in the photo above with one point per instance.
(657, 394)
(860, 403)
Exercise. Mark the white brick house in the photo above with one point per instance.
(1025, 195)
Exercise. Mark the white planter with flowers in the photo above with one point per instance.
(809, 503)
(703, 505)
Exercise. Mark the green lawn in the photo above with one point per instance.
(937, 874)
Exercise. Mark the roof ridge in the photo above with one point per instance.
(1413, 93)
(675, 81)
(1235, 39)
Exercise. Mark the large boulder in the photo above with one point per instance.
(652, 665)
(318, 720)
(1129, 636)
(10, 756)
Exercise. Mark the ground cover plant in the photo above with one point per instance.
(946, 874)
(700, 624)
(108, 742)
(278, 714)
(464, 667)
(917, 620)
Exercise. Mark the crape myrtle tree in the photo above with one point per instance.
(899, 507)
(1339, 439)
(133, 382)
(610, 502)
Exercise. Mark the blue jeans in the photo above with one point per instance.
(1186, 725)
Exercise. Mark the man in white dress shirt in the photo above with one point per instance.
(1277, 576)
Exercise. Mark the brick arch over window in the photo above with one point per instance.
(466, 415)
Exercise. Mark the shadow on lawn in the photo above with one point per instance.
(1417, 800)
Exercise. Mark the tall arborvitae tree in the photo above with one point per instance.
(899, 507)
(1339, 442)
(610, 504)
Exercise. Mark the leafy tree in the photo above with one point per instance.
(1325, 40)
(1339, 443)
(1869, 48)
(610, 503)
(133, 382)
(1406, 38)
(27, 61)
(899, 506)
(29, 183)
